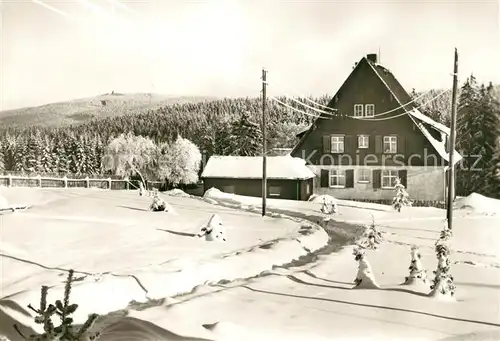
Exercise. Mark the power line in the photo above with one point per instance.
(297, 110)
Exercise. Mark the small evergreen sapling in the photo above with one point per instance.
(402, 197)
(372, 237)
(442, 285)
(66, 330)
(417, 272)
(364, 278)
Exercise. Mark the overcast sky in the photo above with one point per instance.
(81, 48)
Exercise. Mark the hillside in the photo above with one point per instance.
(85, 109)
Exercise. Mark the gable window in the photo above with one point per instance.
(364, 175)
(337, 144)
(389, 178)
(337, 178)
(390, 144)
(369, 110)
(363, 141)
(358, 110)
(274, 191)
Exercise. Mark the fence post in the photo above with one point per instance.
(39, 178)
(65, 179)
(127, 183)
(109, 183)
(87, 182)
(9, 180)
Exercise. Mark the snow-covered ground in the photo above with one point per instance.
(311, 300)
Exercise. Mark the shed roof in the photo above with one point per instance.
(250, 167)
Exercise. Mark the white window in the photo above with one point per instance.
(389, 178)
(363, 141)
(274, 191)
(369, 110)
(390, 144)
(337, 144)
(337, 178)
(358, 110)
(364, 175)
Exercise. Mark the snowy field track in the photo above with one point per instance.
(121, 252)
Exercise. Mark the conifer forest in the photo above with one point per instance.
(233, 127)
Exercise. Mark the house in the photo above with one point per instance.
(375, 135)
(287, 177)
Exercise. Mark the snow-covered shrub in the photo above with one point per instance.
(63, 309)
(372, 237)
(401, 197)
(417, 272)
(179, 162)
(214, 230)
(364, 278)
(158, 204)
(329, 206)
(442, 285)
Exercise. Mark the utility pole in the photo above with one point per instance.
(451, 166)
(264, 149)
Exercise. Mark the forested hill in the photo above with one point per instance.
(86, 109)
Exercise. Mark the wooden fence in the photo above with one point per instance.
(65, 182)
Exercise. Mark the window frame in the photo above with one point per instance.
(368, 175)
(358, 113)
(335, 141)
(339, 174)
(389, 176)
(392, 141)
(367, 140)
(274, 193)
(372, 110)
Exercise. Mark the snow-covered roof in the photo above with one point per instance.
(439, 146)
(250, 167)
(424, 118)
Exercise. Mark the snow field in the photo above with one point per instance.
(121, 252)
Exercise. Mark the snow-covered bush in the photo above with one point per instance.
(158, 204)
(364, 278)
(128, 154)
(443, 285)
(214, 230)
(372, 237)
(63, 309)
(417, 272)
(179, 162)
(401, 198)
(329, 206)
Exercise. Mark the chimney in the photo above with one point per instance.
(372, 57)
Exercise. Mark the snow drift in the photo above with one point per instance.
(478, 203)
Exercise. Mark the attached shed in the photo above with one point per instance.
(287, 177)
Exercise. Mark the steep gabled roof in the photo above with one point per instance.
(402, 98)
(250, 167)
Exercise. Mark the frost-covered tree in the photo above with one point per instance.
(372, 237)
(365, 278)
(128, 154)
(443, 285)
(179, 162)
(417, 272)
(246, 137)
(61, 157)
(401, 197)
(2, 158)
(493, 175)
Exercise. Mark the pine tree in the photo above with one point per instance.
(33, 156)
(469, 128)
(491, 158)
(246, 137)
(442, 285)
(417, 272)
(2, 157)
(402, 197)
(21, 155)
(47, 157)
(365, 278)
(61, 156)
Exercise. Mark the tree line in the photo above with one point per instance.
(233, 127)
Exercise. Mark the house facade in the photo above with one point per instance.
(374, 135)
(287, 177)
